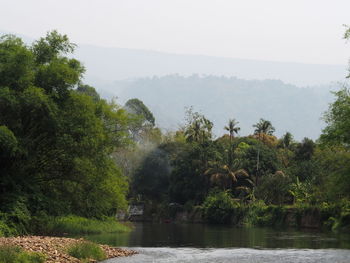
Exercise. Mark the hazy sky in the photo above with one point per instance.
(307, 31)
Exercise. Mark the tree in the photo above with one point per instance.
(275, 189)
(338, 120)
(287, 140)
(141, 119)
(198, 128)
(232, 128)
(88, 90)
(223, 177)
(305, 150)
(56, 141)
(264, 126)
(56, 73)
(137, 107)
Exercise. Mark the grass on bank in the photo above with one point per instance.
(12, 254)
(86, 251)
(75, 225)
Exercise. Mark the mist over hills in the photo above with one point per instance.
(288, 107)
(110, 64)
(260, 89)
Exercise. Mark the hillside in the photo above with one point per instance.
(110, 64)
(288, 107)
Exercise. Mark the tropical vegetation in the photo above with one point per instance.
(67, 155)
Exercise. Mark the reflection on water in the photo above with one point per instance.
(209, 236)
(245, 255)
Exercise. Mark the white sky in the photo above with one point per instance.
(307, 31)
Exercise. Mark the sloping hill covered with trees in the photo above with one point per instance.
(290, 108)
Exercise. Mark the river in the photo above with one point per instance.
(222, 244)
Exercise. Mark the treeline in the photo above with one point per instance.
(189, 163)
(220, 98)
(190, 168)
(57, 137)
(64, 151)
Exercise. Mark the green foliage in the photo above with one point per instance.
(287, 140)
(55, 142)
(275, 189)
(264, 126)
(300, 192)
(136, 106)
(258, 159)
(338, 120)
(219, 207)
(87, 250)
(75, 225)
(188, 180)
(198, 128)
(48, 48)
(305, 150)
(11, 254)
(260, 214)
(88, 90)
(232, 127)
(334, 171)
(5, 230)
(8, 143)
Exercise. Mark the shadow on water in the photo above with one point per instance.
(209, 236)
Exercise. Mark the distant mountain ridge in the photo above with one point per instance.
(258, 90)
(288, 107)
(108, 64)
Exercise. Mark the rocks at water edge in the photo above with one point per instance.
(55, 248)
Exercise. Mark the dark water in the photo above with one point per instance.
(206, 243)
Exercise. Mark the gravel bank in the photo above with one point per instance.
(55, 248)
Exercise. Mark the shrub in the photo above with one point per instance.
(5, 230)
(87, 250)
(79, 225)
(219, 208)
(275, 189)
(11, 254)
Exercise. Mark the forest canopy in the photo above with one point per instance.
(66, 151)
(56, 134)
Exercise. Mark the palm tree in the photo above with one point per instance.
(221, 175)
(244, 185)
(232, 128)
(264, 126)
(224, 177)
(199, 130)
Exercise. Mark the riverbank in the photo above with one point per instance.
(334, 217)
(55, 249)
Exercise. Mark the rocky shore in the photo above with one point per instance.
(55, 248)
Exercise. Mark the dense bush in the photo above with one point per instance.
(219, 207)
(275, 189)
(11, 254)
(56, 140)
(87, 251)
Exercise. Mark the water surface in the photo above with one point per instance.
(175, 243)
(240, 255)
(211, 236)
